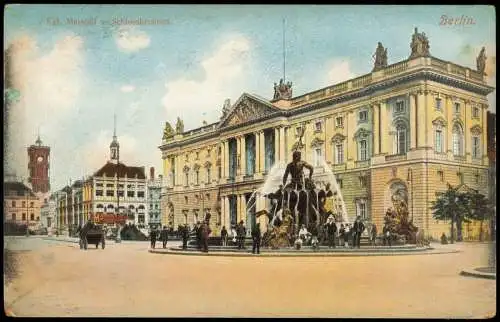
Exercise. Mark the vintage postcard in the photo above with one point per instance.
(250, 161)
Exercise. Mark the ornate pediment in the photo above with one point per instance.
(361, 134)
(439, 121)
(338, 138)
(476, 130)
(317, 142)
(247, 108)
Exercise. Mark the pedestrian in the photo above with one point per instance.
(153, 237)
(256, 237)
(223, 236)
(387, 235)
(358, 229)
(241, 233)
(314, 237)
(331, 230)
(373, 234)
(204, 234)
(184, 230)
(164, 236)
(234, 234)
(341, 233)
(347, 233)
(197, 233)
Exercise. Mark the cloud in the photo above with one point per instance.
(339, 70)
(49, 86)
(95, 153)
(127, 88)
(225, 70)
(130, 39)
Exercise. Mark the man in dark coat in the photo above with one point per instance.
(256, 237)
(204, 234)
(241, 232)
(197, 233)
(185, 235)
(223, 236)
(357, 230)
(164, 236)
(373, 234)
(331, 230)
(152, 235)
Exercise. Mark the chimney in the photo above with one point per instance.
(152, 173)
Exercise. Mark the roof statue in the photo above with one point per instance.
(380, 57)
(419, 45)
(282, 90)
(481, 61)
(226, 107)
(168, 131)
(179, 126)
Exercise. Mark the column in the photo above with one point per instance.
(276, 145)
(223, 159)
(384, 129)
(257, 152)
(223, 211)
(467, 134)
(238, 208)
(484, 134)
(286, 132)
(413, 121)
(449, 124)
(225, 215)
(226, 159)
(376, 130)
(429, 107)
(243, 156)
(282, 143)
(262, 151)
(238, 156)
(421, 133)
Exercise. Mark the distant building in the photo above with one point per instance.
(48, 212)
(154, 200)
(38, 167)
(20, 204)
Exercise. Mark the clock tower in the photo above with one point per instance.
(38, 166)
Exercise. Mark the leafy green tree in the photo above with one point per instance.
(480, 209)
(451, 205)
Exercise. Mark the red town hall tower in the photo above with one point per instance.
(38, 167)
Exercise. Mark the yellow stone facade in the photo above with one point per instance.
(423, 123)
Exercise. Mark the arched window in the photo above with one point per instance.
(401, 138)
(458, 139)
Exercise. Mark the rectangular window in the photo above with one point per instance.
(208, 175)
(110, 193)
(400, 107)
(339, 122)
(24, 217)
(23, 204)
(362, 181)
(340, 183)
(140, 194)
(363, 150)
(120, 186)
(363, 116)
(13, 216)
(362, 210)
(13, 203)
(120, 193)
(339, 153)
(197, 177)
(99, 185)
(130, 194)
(475, 112)
(475, 147)
(439, 141)
(219, 172)
(438, 104)
(441, 175)
(98, 193)
(318, 156)
(457, 108)
(110, 185)
(32, 217)
(32, 204)
(318, 126)
(197, 155)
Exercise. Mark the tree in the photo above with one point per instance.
(451, 205)
(479, 208)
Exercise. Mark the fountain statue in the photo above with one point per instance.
(397, 221)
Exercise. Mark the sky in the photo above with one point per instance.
(72, 79)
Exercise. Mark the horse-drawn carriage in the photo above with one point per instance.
(92, 234)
